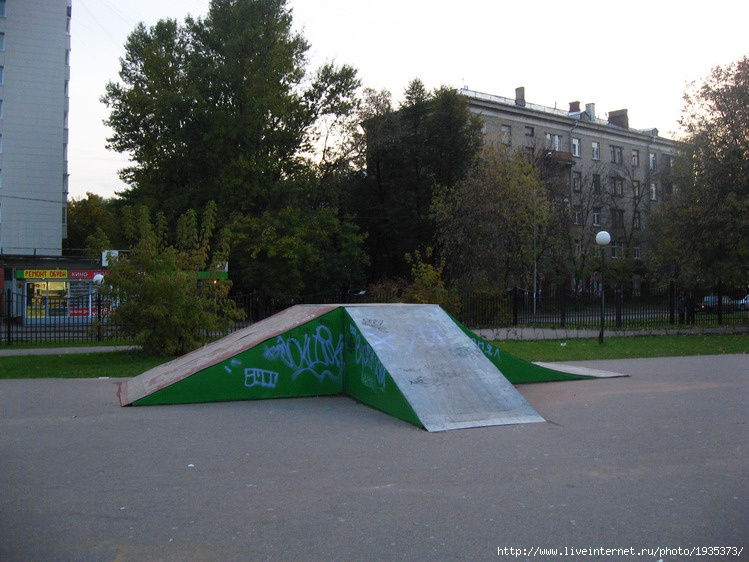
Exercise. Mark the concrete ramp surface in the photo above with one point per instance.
(412, 361)
(442, 373)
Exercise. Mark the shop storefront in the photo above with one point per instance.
(55, 293)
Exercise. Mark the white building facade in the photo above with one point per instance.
(34, 75)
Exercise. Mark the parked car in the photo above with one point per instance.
(710, 304)
(742, 304)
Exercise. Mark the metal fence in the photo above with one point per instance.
(654, 307)
(86, 319)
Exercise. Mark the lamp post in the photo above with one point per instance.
(98, 280)
(603, 239)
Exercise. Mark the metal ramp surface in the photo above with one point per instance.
(445, 377)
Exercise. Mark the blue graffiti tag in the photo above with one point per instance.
(488, 349)
(317, 354)
(373, 373)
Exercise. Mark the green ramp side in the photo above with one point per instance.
(516, 370)
(298, 352)
(368, 381)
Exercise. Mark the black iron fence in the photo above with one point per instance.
(87, 319)
(661, 306)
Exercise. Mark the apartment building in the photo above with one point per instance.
(34, 74)
(608, 175)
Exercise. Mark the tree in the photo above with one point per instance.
(487, 223)
(430, 139)
(702, 231)
(87, 214)
(169, 298)
(220, 109)
(295, 251)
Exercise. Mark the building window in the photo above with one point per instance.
(2, 40)
(635, 158)
(507, 135)
(616, 154)
(578, 215)
(653, 192)
(529, 131)
(617, 218)
(576, 149)
(528, 153)
(617, 186)
(637, 253)
(596, 148)
(2, 75)
(636, 219)
(596, 217)
(554, 142)
(2, 8)
(636, 189)
(616, 249)
(577, 181)
(653, 162)
(596, 183)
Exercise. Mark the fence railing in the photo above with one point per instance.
(86, 319)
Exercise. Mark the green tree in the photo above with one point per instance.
(169, 298)
(702, 231)
(431, 139)
(427, 285)
(85, 215)
(295, 251)
(221, 108)
(487, 223)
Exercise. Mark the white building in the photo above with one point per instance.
(34, 75)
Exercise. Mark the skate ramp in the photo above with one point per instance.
(412, 361)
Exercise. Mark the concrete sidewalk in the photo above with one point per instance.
(5, 352)
(659, 459)
(537, 333)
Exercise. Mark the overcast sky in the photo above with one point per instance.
(637, 55)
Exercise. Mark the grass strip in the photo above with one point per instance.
(114, 364)
(627, 347)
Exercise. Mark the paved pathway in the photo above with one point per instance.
(656, 459)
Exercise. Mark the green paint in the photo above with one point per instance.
(516, 370)
(304, 361)
(368, 381)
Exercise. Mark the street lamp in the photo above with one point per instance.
(98, 280)
(603, 239)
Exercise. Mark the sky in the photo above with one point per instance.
(638, 55)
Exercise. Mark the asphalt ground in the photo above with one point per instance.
(659, 459)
